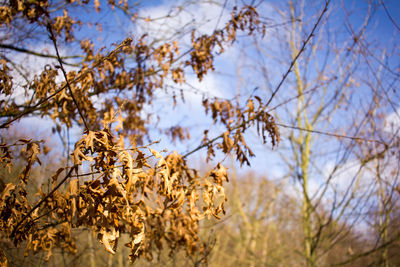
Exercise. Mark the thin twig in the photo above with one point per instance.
(53, 38)
(390, 17)
(303, 47)
(276, 89)
(332, 134)
(37, 106)
(18, 225)
(24, 50)
(369, 252)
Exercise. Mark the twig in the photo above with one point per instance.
(53, 38)
(390, 17)
(333, 134)
(18, 225)
(77, 79)
(24, 50)
(369, 252)
(276, 89)
(303, 47)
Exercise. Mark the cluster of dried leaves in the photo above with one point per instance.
(111, 188)
(126, 193)
(237, 120)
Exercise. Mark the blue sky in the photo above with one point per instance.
(239, 70)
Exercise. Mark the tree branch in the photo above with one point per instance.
(18, 225)
(333, 134)
(38, 105)
(305, 42)
(30, 52)
(53, 38)
(303, 47)
(369, 252)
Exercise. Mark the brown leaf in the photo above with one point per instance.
(109, 238)
(155, 153)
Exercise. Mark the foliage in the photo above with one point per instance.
(329, 195)
(113, 188)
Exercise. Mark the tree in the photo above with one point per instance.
(106, 185)
(328, 88)
(336, 84)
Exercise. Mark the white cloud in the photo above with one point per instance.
(392, 122)
(193, 90)
(31, 65)
(176, 19)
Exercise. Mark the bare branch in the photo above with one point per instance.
(38, 105)
(30, 52)
(53, 38)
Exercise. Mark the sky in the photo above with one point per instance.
(245, 70)
(227, 82)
